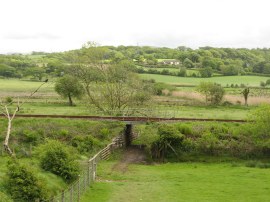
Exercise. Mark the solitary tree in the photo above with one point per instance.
(245, 93)
(109, 87)
(69, 87)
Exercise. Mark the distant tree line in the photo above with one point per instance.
(226, 61)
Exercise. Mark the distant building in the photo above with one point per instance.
(41, 64)
(170, 62)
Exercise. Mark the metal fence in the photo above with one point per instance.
(74, 192)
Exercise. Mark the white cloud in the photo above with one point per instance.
(57, 25)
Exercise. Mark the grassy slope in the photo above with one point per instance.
(247, 80)
(181, 182)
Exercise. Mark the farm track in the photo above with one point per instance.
(127, 118)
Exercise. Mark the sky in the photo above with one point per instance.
(61, 25)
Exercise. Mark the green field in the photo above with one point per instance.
(15, 85)
(223, 80)
(180, 182)
(46, 101)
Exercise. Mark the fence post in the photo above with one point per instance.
(63, 196)
(89, 172)
(85, 181)
(93, 169)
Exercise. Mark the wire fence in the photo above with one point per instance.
(74, 192)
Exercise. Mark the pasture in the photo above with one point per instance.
(46, 101)
(23, 87)
(180, 182)
(253, 81)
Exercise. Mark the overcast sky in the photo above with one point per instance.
(58, 25)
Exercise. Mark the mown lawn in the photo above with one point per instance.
(180, 182)
(223, 80)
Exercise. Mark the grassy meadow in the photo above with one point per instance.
(180, 182)
(223, 80)
(184, 102)
(15, 85)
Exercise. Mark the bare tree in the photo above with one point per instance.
(10, 114)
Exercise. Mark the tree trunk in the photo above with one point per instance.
(70, 100)
(6, 147)
(246, 102)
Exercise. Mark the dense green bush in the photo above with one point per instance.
(59, 159)
(84, 143)
(169, 141)
(30, 136)
(211, 139)
(23, 184)
(160, 87)
(184, 129)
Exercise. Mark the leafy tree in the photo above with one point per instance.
(182, 72)
(23, 184)
(188, 63)
(36, 72)
(109, 87)
(245, 93)
(206, 72)
(69, 87)
(213, 92)
(7, 71)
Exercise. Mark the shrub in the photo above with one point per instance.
(267, 82)
(9, 100)
(227, 103)
(208, 144)
(169, 140)
(251, 164)
(262, 84)
(160, 87)
(261, 117)
(184, 129)
(84, 143)
(59, 159)
(243, 85)
(264, 165)
(30, 136)
(23, 184)
(188, 145)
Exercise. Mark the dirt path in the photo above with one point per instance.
(132, 155)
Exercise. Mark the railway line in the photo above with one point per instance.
(128, 118)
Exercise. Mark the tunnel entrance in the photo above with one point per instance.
(128, 135)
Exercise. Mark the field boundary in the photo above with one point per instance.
(88, 175)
